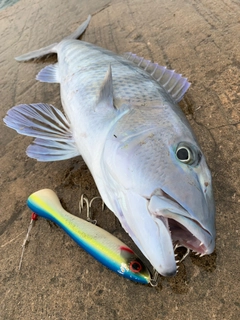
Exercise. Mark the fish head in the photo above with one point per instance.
(185, 200)
(160, 188)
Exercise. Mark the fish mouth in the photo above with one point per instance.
(183, 229)
(181, 236)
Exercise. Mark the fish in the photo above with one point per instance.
(100, 244)
(121, 114)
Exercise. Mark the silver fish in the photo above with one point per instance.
(122, 117)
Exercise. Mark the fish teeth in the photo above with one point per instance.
(176, 246)
(202, 254)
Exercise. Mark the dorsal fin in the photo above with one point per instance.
(173, 82)
(105, 97)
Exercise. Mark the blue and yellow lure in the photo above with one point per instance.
(103, 246)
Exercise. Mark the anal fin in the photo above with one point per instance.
(49, 74)
(54, 139)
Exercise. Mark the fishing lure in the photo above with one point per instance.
(103, 246)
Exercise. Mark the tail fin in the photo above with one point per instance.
(52, 48)
(37, 53)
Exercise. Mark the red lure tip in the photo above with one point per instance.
(126, 249)
(34, 216)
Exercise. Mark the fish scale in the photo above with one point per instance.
(142, 153)
(93, 65)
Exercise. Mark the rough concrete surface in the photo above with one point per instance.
(58, 280)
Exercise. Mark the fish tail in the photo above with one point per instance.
(80, 30)
(52, 48)
(37, 53)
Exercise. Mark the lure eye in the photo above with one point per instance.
(184, 154)
(135, 266)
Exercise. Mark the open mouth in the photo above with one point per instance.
(183, 229)
(182, 236)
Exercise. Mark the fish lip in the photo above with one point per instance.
(184, 229)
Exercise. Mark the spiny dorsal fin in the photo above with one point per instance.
(173, 82)
(105, 97)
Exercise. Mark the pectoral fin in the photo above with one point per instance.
(52, 150)
(54, 140)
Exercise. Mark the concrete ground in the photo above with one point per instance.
(58, 280)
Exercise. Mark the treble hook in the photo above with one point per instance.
(185, 255)
(98, 197)
(80, 205)
(85, 199)
(153, 281)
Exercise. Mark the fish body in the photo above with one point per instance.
(103, 246)
(123, 119)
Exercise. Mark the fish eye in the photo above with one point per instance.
(184, 154)
(188, 153)
(135, 266)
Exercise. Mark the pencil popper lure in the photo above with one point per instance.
(100, 244)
